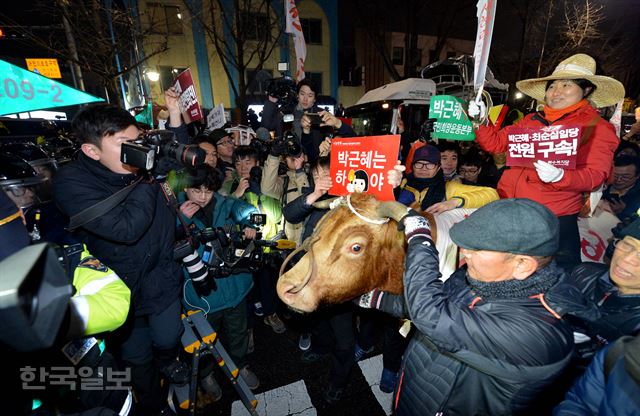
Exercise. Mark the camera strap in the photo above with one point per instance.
(98, 209)
(172, 202)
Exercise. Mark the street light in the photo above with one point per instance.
(153, 76)
(519, 95)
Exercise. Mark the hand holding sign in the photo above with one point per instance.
(547, 172)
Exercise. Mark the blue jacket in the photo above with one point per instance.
(592, 395)
(232, 289)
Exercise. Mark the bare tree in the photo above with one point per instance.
(244, 38)
(106, 41)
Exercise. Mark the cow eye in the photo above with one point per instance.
(355, 248)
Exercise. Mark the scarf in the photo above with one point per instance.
(436, 188)
(554, 114)
(538, 282)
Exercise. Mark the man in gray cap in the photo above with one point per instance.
(490, 339)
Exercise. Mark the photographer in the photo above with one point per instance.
(203, 207)
(287, 187)
(135, 239)
(305, 128)
(245, 184)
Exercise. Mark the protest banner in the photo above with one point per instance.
(452, 122)
(557, 145)
(595, 233)
(216, 117)
(360, 164)
(188, 101)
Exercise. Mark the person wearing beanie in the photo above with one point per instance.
(571, 95)
(490, 340)
(425, 187)
(614, 290)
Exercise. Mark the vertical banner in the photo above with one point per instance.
(188, 101)
(294, 27)
(486, 12)
(360, 164)
(616, 118)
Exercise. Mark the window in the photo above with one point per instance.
(164, 20)
(397, 55)
(312, 30)
(316, 78)
(168, 76)
(255, 26)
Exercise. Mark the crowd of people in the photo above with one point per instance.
(513, 331)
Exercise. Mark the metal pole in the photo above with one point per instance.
(75, 68)
(544, 39)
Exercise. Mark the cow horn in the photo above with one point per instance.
(325, 203)
(392, 209)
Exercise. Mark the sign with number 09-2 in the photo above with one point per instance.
(22, 90)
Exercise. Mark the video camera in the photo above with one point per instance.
(284, 89)
(159, 151)
(287, 145)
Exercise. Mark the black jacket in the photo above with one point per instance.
(618, 314)
(135, 238)
(475, 357)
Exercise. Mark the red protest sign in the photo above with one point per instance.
(188, 102)
(557, 145)
(360, 164)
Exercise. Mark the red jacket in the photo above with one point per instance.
(565, 197)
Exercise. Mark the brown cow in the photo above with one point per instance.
(348, 256)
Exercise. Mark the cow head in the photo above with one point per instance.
(347, 256)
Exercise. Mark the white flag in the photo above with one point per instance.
(486, 15)
(294, 27)
(616, 118)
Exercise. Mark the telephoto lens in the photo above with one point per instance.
(199, 274)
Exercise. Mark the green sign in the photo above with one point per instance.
(146, 115)
(22, 90)
(452, 122)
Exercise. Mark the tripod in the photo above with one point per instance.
(200, 338)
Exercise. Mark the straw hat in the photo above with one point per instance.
(580, 66)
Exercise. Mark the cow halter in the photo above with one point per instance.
(341, 200)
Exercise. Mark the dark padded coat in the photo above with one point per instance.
(475, 357)
(135, 239)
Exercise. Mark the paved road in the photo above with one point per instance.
(290, 386)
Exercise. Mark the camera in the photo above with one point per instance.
(160, 152)
(284, 89)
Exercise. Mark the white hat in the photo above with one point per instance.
(580, 66)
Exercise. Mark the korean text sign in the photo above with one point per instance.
(22, 90)
(360, 164)
(557, 145)
(188, 101)
(452, 122)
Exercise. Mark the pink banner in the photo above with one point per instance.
(360, 164)
(188, 102)
(557, 145)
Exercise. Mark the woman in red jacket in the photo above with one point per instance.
(571, 95)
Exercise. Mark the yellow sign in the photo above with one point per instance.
(47, 67)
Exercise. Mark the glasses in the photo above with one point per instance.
(424, 165)
(623, 177)
(626, 248)
(225, 142)
(200, 191)
(470, 171)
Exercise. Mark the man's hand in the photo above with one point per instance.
(547, 172)
(415, 225)
(329, 119)
(171, 99)
(394, 176)
(477, 110)
(617, 206)
(325, 147)
(322, 186)
(278, 148)
(243, 185)
(189, 208)
(305, 123)
(249, 233)
(441, 207)
(370, 300)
